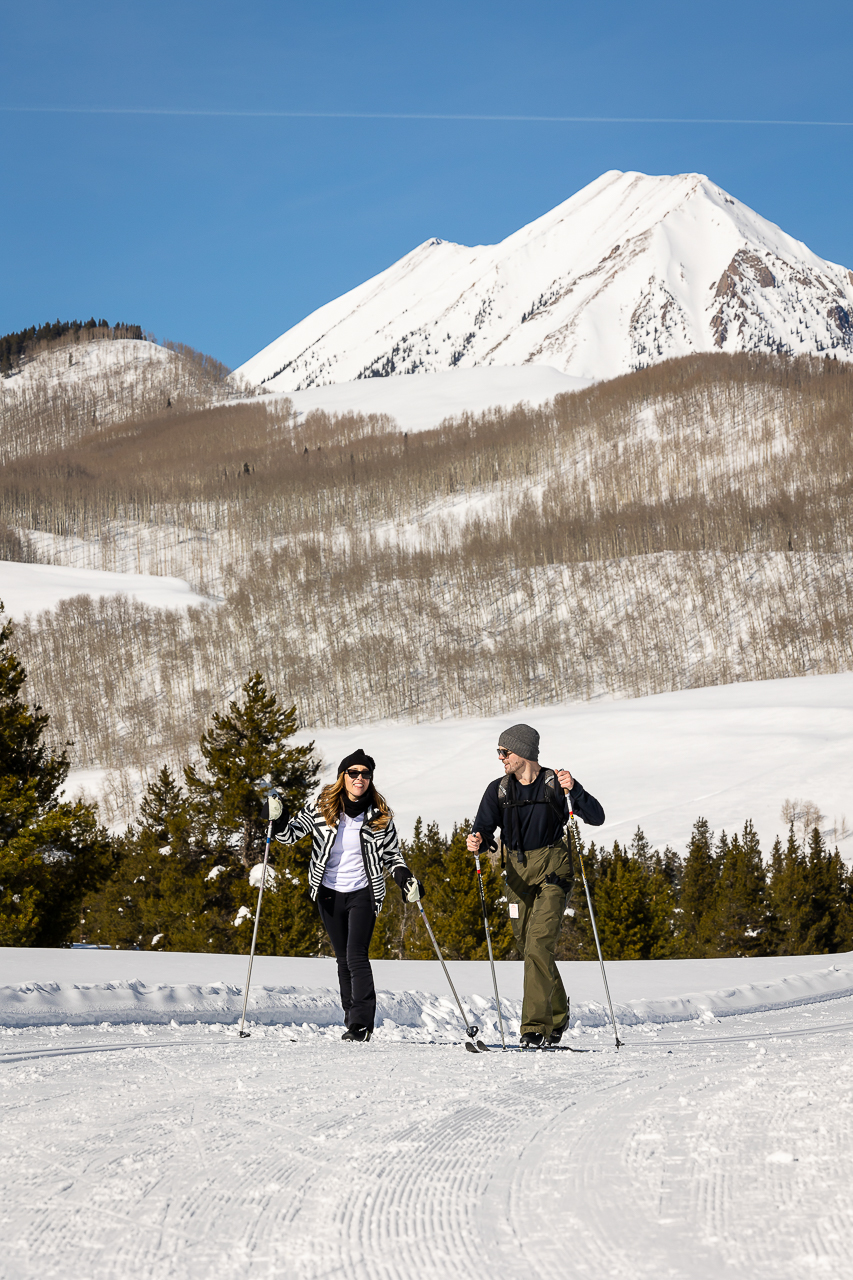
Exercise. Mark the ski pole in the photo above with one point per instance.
(489, 944)
(576, 837)
(275, 808)
(470, 1031)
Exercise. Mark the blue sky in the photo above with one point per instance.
(224, 230)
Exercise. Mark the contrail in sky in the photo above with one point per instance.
(410, 115)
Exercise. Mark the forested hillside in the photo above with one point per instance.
(684, 525)
(67, 380)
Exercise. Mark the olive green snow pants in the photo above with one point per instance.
(537, 889)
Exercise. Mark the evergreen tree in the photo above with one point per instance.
(242, 748)
(452, 902)
(844, 924)
(182, 881)
(576, 941)
(155, 885)
(399, 933)
(696, 899)
(787, 886)
(51, 852)
(634, 903)
(740, 921)
(811, 892)
(824, 891)
(620, 907)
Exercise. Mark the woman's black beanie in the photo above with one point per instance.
(357, 757)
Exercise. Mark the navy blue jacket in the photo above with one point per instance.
(532, 826)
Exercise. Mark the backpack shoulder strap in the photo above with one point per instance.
(553, 793)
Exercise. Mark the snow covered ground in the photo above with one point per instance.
(420, 403)
(41, 987)
(709, 1146)
(75, 365)
(727, 753)
(30, 588)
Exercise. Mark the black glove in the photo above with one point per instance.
(410, 888)
(280, 815)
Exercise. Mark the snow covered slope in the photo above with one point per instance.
(71, 389)
(631, 270)
(419, 405)
(725, 752)
(74, 365)
(31, 588)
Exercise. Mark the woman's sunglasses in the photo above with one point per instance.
(358, 773)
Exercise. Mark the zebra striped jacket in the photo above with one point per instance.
(380, 849)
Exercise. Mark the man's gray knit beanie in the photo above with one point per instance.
(521, 739)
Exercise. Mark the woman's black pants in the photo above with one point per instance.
(349, 919)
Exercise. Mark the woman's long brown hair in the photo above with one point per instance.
(330, 802)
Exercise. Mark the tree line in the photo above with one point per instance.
(14, 347)
(180, 877)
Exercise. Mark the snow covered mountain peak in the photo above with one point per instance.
(630, 270)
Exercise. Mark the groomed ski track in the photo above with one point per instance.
(703, 1155)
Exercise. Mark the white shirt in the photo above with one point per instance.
(345, 869)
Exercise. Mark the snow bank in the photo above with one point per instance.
(425, 1010)
(31, 588)
(420, 403)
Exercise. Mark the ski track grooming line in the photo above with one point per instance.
(29, 1055)
(683, 1044)
(755, 1035)
(70, 1051)
(66, 1051)
(690, 1174)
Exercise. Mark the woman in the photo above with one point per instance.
(353, 844)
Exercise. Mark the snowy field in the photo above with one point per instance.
(420, 403)
(727, 753)
(716, 1143)
(31, 588)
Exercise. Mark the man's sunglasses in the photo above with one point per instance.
(503, 753)
(359, 773)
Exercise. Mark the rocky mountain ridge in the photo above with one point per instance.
(631, 270)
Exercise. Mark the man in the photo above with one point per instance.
(530, 808)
